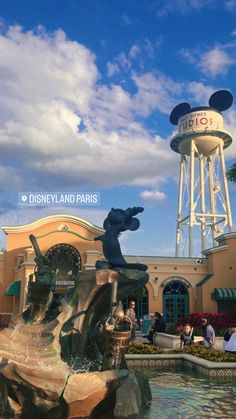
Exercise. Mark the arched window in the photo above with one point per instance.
(175, 287)
(175, 301)
(66, 262)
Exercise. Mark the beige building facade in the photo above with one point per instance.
(176, 287)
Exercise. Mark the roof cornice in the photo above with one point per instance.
(215, 249)
(62, 218)
(222, 237)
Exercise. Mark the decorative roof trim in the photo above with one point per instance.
(215, 249)
(54, 218)
(224, 236)
(64, 231)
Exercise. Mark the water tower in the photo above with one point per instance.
(203, 202)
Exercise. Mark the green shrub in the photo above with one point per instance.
(140, 348)
(206, 353)
(196, 350)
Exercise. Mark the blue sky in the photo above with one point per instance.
(86, 92)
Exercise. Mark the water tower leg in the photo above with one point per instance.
(203, 203)
(226, 192)
(180, 204)
(191, 204)
(212, 198)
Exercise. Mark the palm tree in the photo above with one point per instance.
(231, 173)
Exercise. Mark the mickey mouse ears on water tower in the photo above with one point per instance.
(220, 100)
(179, 111)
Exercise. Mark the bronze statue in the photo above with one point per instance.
(41, 283)
(118, 220)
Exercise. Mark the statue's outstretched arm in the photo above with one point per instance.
(130, 212)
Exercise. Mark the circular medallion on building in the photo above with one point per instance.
(66, 262)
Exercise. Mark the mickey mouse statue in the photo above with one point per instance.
(118, 220)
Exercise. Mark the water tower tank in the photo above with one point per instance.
(206, 126)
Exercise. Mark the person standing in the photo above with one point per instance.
(208, 333)
(130, 312)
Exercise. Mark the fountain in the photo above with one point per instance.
(65, 358)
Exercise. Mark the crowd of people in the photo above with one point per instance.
(187, 333)
(208, 334)
(158, 323)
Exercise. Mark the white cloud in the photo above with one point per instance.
(164, 7)
(215, 61)
(230, 123)
(153, 197)
(124, 61)
(230, 5)
(155, 92)
(62, 128)
(126, 20)
(134, 51)
(188, 55)
(137, 55)
(10, 177)
(112, 69)
(200, 92)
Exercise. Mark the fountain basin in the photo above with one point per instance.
(213, 370)
(182, 393)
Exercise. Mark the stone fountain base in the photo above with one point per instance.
(107, 394)
(47, 389)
